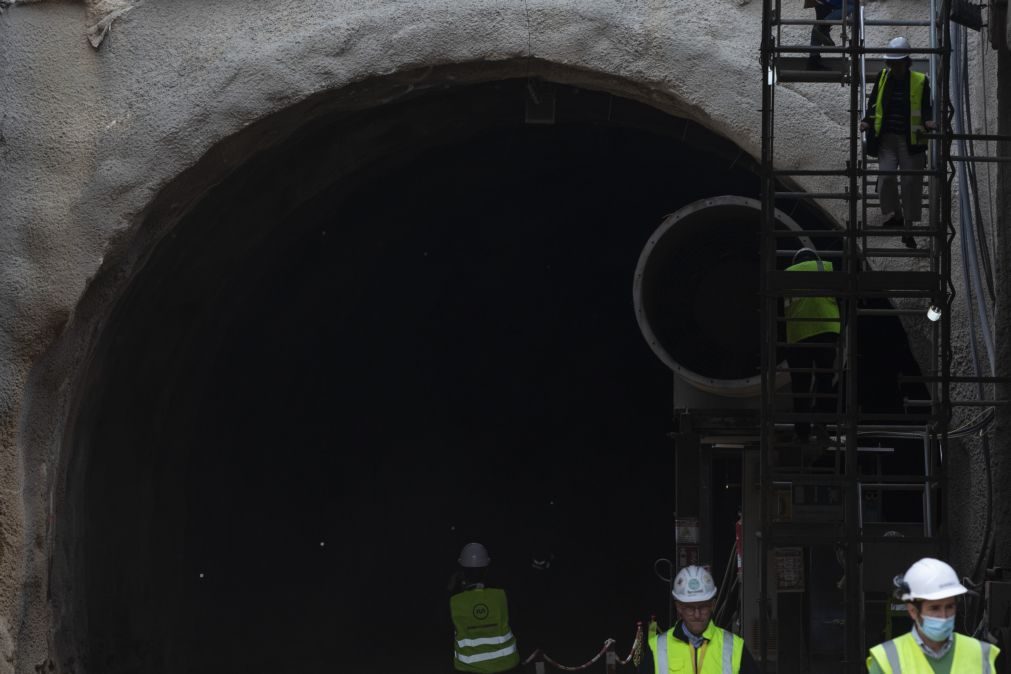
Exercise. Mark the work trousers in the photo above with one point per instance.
(801, 379)
(821, 36)
(893, 154)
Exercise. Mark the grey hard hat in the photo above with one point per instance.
(474, 556)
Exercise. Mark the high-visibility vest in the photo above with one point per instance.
(721, 654)
(810, 307)
(484, 642)
(916, 87)
(903, 655)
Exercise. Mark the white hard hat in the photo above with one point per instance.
(474, 556)
(694, 583)
(930, 579)
(897, 43)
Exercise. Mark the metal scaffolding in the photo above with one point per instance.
(912, 280)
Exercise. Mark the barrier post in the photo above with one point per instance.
(611, 659)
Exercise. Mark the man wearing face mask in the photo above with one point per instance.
(695, 645)
(930, 588)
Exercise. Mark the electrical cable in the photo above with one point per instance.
(989, 533)
(983, 47)
(724, 594)
(981, 237)
(970, 266)
(967, 240)
(670, 566)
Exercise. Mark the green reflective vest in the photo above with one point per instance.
(721, 654)
(484, 642)
(810, 307)
(903, 655)
(916, 82)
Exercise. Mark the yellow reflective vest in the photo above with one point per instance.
(484, 642)
(720, 654)
(903, 655)
(807, 308)
(916, 88)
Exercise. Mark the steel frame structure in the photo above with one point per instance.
(851, 282)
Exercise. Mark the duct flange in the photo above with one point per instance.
(696, 292)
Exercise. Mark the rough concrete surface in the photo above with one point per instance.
(90, 138)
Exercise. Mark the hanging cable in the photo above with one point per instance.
(726, 588)
(970, 267)
(981, 238)
(967, 239)
(983, 48)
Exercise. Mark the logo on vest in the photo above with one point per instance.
(480, 611)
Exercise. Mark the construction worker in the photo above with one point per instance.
(695, 639)
(898, 111)
(930, 588)
(484, 642)
(811, 321)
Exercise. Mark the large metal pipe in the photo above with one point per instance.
(696, 293)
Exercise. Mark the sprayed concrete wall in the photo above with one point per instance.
(104, 150)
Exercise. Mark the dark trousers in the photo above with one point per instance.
(800, 380)
(820, 35)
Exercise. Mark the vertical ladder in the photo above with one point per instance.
(855, 277)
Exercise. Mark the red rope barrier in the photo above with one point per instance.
(634, 654)
(636, 650)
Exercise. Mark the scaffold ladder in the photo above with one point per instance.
(864, 268)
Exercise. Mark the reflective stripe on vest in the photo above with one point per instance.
(483, 657)
(916, 87)
(728, 652)
(985, 648)
(484, 641)
(893, 656)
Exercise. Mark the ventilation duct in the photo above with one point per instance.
(696, 293)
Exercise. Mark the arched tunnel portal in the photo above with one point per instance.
(398, 330)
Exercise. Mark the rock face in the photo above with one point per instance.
(104, 151)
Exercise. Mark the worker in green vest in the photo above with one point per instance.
(930, 588)
(483, 640)
(695, 645)
(898, 111)
(812, 332)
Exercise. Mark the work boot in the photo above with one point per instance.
(820, 37)
(894, 222)
(909, 242)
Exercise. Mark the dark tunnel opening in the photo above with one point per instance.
(309, 400)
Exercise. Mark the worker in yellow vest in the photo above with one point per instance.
(898, 111)
(930, 588)
(695, 645)
(483, 640)
(812, 332)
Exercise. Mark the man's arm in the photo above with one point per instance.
(646, 664)
(926, 107)
(748, 664)
(866, 121)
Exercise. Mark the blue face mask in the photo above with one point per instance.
(937, 629)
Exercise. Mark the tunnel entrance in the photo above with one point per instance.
(399, 330)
